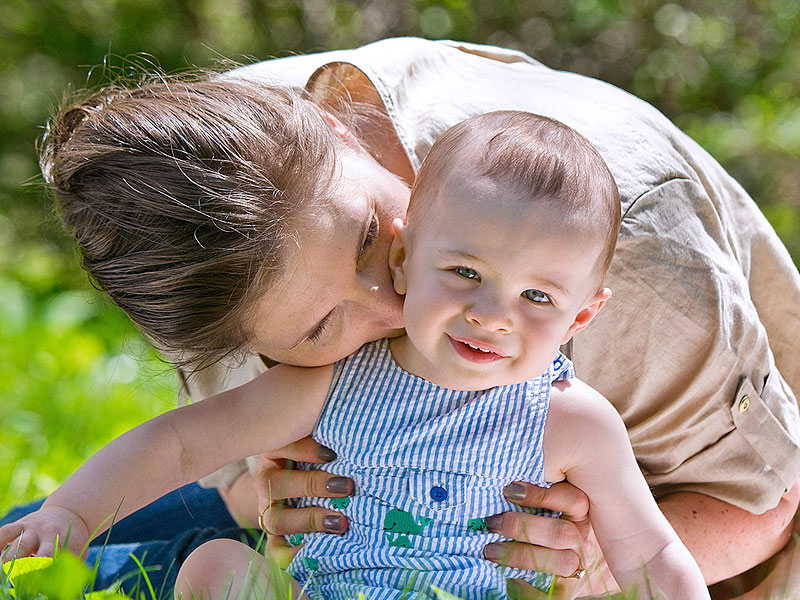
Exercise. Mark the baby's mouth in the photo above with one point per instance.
(475, 351)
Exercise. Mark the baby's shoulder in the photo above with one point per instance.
(578, 418)
(574, 395)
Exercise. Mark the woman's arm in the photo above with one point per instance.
(726, 540)
(173, 449)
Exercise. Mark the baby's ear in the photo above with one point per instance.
(397, 256)
(587, 313)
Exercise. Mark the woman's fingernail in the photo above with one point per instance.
(326, 454)
(334, 523)
(514, 491)
(494, 522)
(492, 552)
(338, 485)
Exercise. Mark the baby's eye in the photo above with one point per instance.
(467, 273)
(536, 296)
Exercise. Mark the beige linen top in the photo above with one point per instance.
(699, 348)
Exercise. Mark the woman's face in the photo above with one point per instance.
(336, 292)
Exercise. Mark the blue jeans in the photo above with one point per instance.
(160, 535)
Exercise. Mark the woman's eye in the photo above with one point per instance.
(467, 273)
(536, 296)
(318, 330)
(372, 235)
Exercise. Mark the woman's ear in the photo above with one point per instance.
(397, 256)
(587, 313)
(340, 130)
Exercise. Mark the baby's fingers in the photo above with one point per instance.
(25, 543)
(8, 534)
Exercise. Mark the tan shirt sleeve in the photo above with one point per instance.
(682, 353)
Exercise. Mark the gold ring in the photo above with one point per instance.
(579, 572)
(261, 518)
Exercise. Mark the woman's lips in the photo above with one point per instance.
(475, 351)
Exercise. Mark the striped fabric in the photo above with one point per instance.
(429, 464)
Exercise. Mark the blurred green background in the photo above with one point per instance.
(74, 371)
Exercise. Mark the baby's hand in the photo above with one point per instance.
(38, 533)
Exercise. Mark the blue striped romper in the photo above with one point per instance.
(429, 463)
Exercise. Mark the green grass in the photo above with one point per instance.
(75, 375)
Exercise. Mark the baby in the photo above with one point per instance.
(510, 231)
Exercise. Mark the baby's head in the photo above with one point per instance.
(511, 228)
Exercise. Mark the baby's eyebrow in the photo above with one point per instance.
(461, 255)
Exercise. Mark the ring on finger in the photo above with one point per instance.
(261, 517)
(579, 571)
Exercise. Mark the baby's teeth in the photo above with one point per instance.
(476, 348)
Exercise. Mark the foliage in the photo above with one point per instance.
(76, 373)
(64, 577)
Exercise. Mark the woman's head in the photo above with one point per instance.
(188, 201)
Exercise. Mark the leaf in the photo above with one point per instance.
(106, 595)
(21, 566)
(64, 579)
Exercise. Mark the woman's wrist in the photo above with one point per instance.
(241, 500)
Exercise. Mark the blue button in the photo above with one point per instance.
(438, 494)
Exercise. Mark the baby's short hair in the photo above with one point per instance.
(538, 157)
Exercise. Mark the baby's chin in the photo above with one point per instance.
(477, 382)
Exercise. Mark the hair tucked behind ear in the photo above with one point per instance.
(182, 198)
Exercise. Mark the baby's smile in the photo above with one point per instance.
(476, 351)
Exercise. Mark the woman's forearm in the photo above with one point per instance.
(726, 540)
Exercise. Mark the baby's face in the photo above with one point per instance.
(493, 286)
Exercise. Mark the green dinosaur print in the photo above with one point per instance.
(296, 539)
(400, 521)
(312, 564)
(398, 541)
(340, 503)
(476, 525)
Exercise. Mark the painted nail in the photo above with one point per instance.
(338, 485)
(494, 522)
(326, 454)
(514, 491)
(333, 523)
(492, 552)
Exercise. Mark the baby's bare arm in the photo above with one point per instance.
(180, 446)
(586, 442)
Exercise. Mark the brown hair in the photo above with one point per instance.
(538, 156)
(181, 196)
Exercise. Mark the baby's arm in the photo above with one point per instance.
(586, 442)
(173, 449)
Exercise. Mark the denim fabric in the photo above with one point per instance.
(160, 535)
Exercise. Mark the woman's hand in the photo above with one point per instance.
(38, 533)
(276, 481)
(562, 546)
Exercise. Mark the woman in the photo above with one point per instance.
(185, 200)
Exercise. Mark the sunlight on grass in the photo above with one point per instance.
(76, 375)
